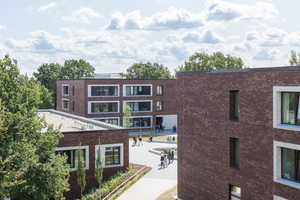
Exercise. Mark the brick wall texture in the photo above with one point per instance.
(90, 138)
(204, 171)
(80, 97)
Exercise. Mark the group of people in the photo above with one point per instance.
(170, 138)
(159, 127)
(174, 129)
(166, 156)
(135, 141)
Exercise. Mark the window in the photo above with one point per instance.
(71, 153)
(235, 193)
(73, 90)
(65, 89)
(234, 152)
(159, 90)
(114, 121)
(98, 91)
(139, 106)
(159, 105)
(138, 90)
(112, 154)
(65, 104)
(234, 104)
(73, 104)
(103, 107)
(287, 164)
(290, 108)
(141, 122)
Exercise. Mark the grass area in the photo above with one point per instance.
(168, 195)
(154, 136)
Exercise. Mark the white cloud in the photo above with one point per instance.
(218, 10)
(2, 27)
(172, 19)
(48, 7)
(268, 54)
(293, 39)
(81, 15)
(208, 36)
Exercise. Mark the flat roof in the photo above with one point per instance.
(288, 68)
(73, 123)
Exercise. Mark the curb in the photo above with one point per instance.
(153, 150)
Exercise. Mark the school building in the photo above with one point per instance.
(239, 134)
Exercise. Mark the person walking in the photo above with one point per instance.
(140, 140)
(166, 160)
(135, 139)
(172, 154)
(162, 163)
(169, 156)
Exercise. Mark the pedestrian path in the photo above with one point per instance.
(155, 182)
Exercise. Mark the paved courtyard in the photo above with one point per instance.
(155, 182)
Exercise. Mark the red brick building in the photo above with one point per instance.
(239, 134)
(152, 101)
(76, 130)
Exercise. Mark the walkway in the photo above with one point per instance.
(155, 182)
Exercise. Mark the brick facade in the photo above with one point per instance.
(205, 128)
(78, 95)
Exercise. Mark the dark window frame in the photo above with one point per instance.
(143, 120)
(234, 105)
(113, 156)
(142, 90)
(65, 90)
(140, 105)
(74, 152)
(102, 91)
(296, 107)
(63, 104)
(297, 163)
(235, 153)
(109, 104)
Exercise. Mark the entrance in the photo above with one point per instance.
(159, 120)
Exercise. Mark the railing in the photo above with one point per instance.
(125, 183)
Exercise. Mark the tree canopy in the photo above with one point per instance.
(295, 58)
(76, 69)
(30, 168)
(205, 62)
(147, 71)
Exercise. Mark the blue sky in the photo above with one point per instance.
(112, 35)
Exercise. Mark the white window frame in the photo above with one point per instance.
(118, 118)
(279, 198)
(76, 148)
(62, 104)
(90, 107)
(102, 148)
(100, 85)
(277, 162)
(277, 90)
(141, 117)
(124, 104)
(62, 89)
(124, 90)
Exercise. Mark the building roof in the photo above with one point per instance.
(73, 123)
(290, 68)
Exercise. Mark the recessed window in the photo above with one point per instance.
(290, 108)
(72, 158)
(235, 193)
(159, 105)
(234, 104)
(73, 104)
(159, 90)
(234, 152)
(65, 89)
(112, 155)
(65, 104)
(140, 122)
(103, 107)
(114, 121)
(138, 90)
(139, 106)
(98, 91)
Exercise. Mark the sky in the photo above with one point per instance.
(113, 35)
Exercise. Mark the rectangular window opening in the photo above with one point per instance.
(72, 158)
(138, 90)
(159, 90)
(112, 155)
(235, 193)
(65, 104)
(65, 90)
(290, 164)
(234, 104)
(139, 106)
(235, 152)
(159, 105)
(97, 91)
(104, 107)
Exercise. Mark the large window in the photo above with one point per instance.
(235, 152)
(114, 121)
(234, 104)
(139, 106)
(290, 108)
(159, 105)
(235, 193)
(72, 158)
(103, 107)
(138, 90)
(141, 122)
(159, 90)
(65, 104)
(65, 89)
(112, 155)
(97, 91)
(290, 164)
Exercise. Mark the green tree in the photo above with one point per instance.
(26, 151)
(99, 167)
(205, 62)
(295, 59)
(76, 69)
(127, 116)
(80, 170)
(147, 71)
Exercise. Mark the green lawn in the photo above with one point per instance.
(169, 194)
(154, 136)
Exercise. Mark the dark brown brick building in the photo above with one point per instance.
(239, 134)
(76, 130)
(152, 101)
